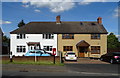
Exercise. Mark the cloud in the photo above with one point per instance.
(94, 1)
(36, 10)
(26, 6)
(86, 2)
(57, 6)
(52, 6)
(5, 22)
(117, 12)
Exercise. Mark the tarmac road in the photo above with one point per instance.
(83, 67)
(67, 70)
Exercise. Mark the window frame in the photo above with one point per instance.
(67, 48)
(21, 36)
(95, 49)
(20, 49)
(48, 36)
(67, 36)
(48, 48)
(96, 36)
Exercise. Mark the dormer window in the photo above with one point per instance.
(21, 36)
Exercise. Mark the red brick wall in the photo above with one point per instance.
(32, 58)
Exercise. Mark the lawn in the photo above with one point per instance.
(32, 62)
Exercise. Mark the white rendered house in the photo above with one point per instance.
(35, 35)
(21, 43)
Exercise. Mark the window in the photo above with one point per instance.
(48, 36)
(21, 36)
(95, 36)
(48, 48)
(21, 49)
(95, 49)
(67, 48)
(67, 36)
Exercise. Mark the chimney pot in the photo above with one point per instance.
(99, 20)
(58, 19)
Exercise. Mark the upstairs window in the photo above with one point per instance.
(21, 36)
(21, 49)
(48, 36)
(95, 36)
(95, 49)
(67, 36)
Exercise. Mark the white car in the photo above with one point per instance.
(70, 56)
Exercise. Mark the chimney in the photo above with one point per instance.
(99, 20)
(58, 19)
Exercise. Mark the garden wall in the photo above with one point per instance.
(32, 58)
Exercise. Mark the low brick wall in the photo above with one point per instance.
(32, 58)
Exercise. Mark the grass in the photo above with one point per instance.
(32, 62)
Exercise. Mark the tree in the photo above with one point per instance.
(20, 24)
(5, 39)
(112, 41)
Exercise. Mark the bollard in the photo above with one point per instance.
(11, 60)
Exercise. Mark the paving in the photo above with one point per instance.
(87, 61)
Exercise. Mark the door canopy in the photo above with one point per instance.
(82, 43)
(33, 43)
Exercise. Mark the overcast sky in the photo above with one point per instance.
(14, 12)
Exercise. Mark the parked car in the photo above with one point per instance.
(37, 53)
(70, 56)
(112, 57)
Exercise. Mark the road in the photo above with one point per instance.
(69, 69)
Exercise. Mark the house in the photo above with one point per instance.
(87, 39)
(1, 41)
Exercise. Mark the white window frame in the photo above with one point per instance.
(20, 47)
(21, 36)
(48, 36)
(50, 48)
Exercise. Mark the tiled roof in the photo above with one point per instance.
(64, 27)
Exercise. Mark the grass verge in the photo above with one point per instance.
(32, 62)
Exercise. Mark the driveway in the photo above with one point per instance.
(87, 61)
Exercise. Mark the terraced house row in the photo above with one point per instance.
(85, 38)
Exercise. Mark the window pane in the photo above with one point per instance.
(43, 36)
(23, 35)
(95, 49)
(46, 36)
(47, 48)
(17, 37)
(24, 50)
(95, 36)
(67, 48)
(67, 36)
(50, 48)
(49, 36)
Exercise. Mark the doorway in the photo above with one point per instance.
(82, 51)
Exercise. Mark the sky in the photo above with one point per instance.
(14, 12)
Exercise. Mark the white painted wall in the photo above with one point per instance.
(31, 38)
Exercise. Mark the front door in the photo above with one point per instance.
(82, 51)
